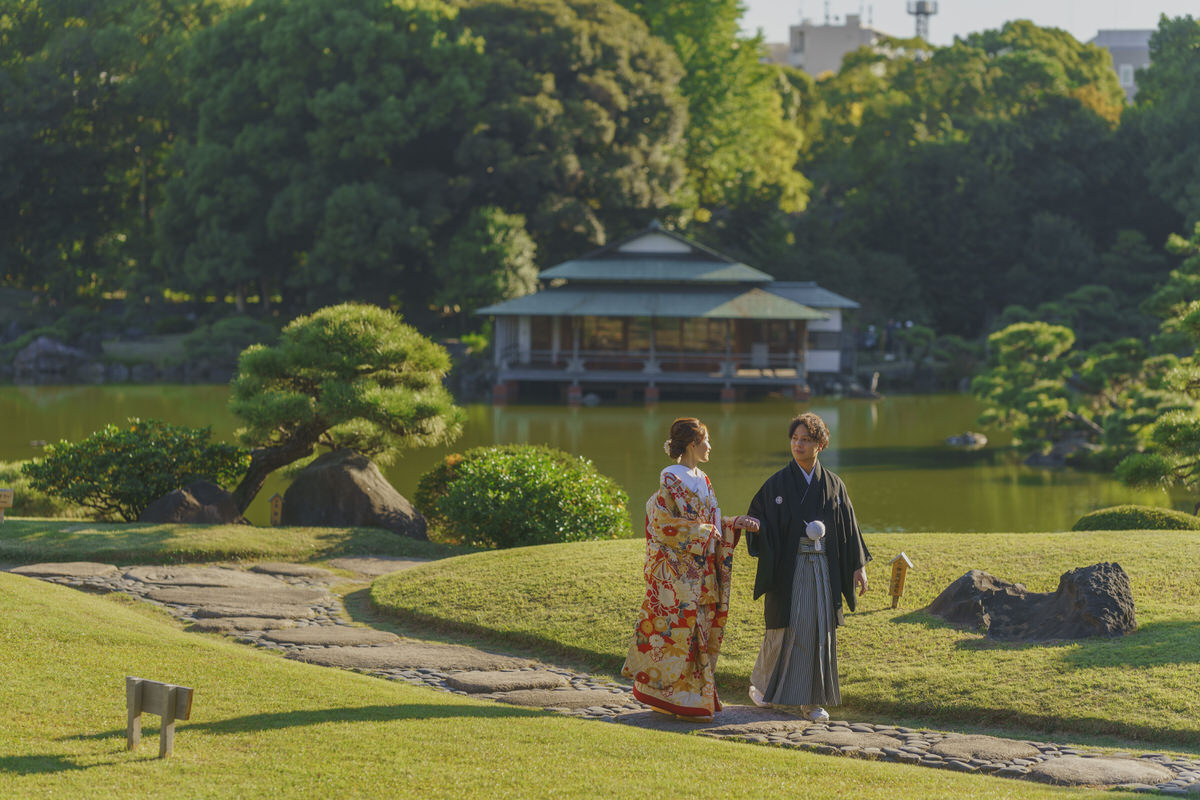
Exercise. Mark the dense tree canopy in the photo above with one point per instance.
(581, 123)
(433, 154)
(322, 159)
(1167, 115)
(89, 108)
(342, 148)
(743, 139)
(1171, 454)
(983, 168)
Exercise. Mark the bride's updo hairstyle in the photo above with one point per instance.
(684, 431)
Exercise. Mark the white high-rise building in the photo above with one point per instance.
(820, 48)
(1130, 51)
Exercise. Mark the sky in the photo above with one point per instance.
(1081, 18)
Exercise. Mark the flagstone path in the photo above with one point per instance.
(289, 608)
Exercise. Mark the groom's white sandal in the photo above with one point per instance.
(757, 697)
(815, 713)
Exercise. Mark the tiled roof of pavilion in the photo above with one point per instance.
(655, 255)
(712, 302)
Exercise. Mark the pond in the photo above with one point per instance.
(890, 452)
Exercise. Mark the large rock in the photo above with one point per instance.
(200, 502)
(984, 748)
(215, 577)
(68, 569)
(345, 489)
(1064, 451)
(1078, 771)
(46, 356)
(332, 636)
(1090, 601)
(486, 681)
(206, 596)
(411, 655)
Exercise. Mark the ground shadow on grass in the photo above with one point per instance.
(257, 723)
(436, 629)
(31, 541)
(37, 765)
(924, 618)
(1155, 644)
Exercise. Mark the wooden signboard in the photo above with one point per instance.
(276, 509)
(6, 501)
(900, 567)
(167, 700)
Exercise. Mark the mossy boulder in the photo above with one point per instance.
(1137, 518)
(344, 488)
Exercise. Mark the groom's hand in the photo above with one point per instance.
(860, 580)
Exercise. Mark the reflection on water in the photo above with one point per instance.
(890, 452)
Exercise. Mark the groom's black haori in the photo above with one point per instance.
(784, 507)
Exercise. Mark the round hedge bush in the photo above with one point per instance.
(517, 495)
(1137, 518)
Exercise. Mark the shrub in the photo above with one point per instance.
(1137, 518)
(224, 340)
(517, 495)
(173, 323)
(29, 502)
(122, 471)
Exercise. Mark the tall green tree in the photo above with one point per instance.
(492, 258)
(969, 163)
(580, 128)
(1171, 454)
(322, 163)
(744, 129)
(345, 376)
(90, 104)
(1024, 386)
(1167, 114)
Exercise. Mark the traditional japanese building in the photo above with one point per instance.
(659, 310)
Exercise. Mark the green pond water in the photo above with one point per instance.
(890, 452)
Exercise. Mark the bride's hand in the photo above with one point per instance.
(746, 523)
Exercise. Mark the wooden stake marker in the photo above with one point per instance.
(167, 700)
(6, 501)
(276, 509)
(900, 567)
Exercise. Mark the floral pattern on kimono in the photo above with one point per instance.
(689, 560)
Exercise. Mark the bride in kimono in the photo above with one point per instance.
(689, 558)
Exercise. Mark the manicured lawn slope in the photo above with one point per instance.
(581, 599)
(28, 541)
(265, 727)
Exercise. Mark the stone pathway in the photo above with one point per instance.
(289, 608)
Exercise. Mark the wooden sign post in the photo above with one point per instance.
(165, 699)
(276, 509)
(6, 501)
(900, 567)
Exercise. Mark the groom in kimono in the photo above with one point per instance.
(811, 556)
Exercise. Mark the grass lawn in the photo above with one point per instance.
(27, 541)
(903, 666)
(266, 727)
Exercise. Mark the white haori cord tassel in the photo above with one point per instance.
(815, 530)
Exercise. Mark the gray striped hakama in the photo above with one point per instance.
(797, 665)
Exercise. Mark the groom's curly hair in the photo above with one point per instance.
(814, 425)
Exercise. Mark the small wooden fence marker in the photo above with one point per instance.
(169, 701)
(276, 509)
(900, 567)
(6, 501)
